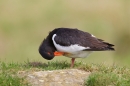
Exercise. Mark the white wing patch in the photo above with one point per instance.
(69, 49)
(93, 35)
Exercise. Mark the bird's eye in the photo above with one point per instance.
(49, 53)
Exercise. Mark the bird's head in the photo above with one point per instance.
(48, 51)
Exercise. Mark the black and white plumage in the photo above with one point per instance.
(72, 43)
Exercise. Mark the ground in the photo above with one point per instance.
(59, 73)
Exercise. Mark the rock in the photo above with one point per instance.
(66, 77)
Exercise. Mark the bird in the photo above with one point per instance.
(72, 43)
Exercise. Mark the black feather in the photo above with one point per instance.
(67, 37)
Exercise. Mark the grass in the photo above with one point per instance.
(8, 75)
(101, 75)
(109, 76)
(9, 80)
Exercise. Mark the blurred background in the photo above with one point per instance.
(25, 23)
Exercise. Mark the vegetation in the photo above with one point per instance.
(101, 75)
(8, 75)
(109, 76)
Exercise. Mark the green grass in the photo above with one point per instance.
(107, 79)
(9, 80)
(101, 75)
(8, 75)
(109, 76)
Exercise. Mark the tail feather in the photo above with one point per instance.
(104, 46)
(109, 46)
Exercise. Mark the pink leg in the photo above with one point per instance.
(72, 62)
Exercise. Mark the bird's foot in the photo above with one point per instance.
(72, 62)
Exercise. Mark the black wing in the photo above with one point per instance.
(67, 37)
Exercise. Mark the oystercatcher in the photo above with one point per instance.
(71, 42)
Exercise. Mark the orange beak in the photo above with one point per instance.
(56, 53)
